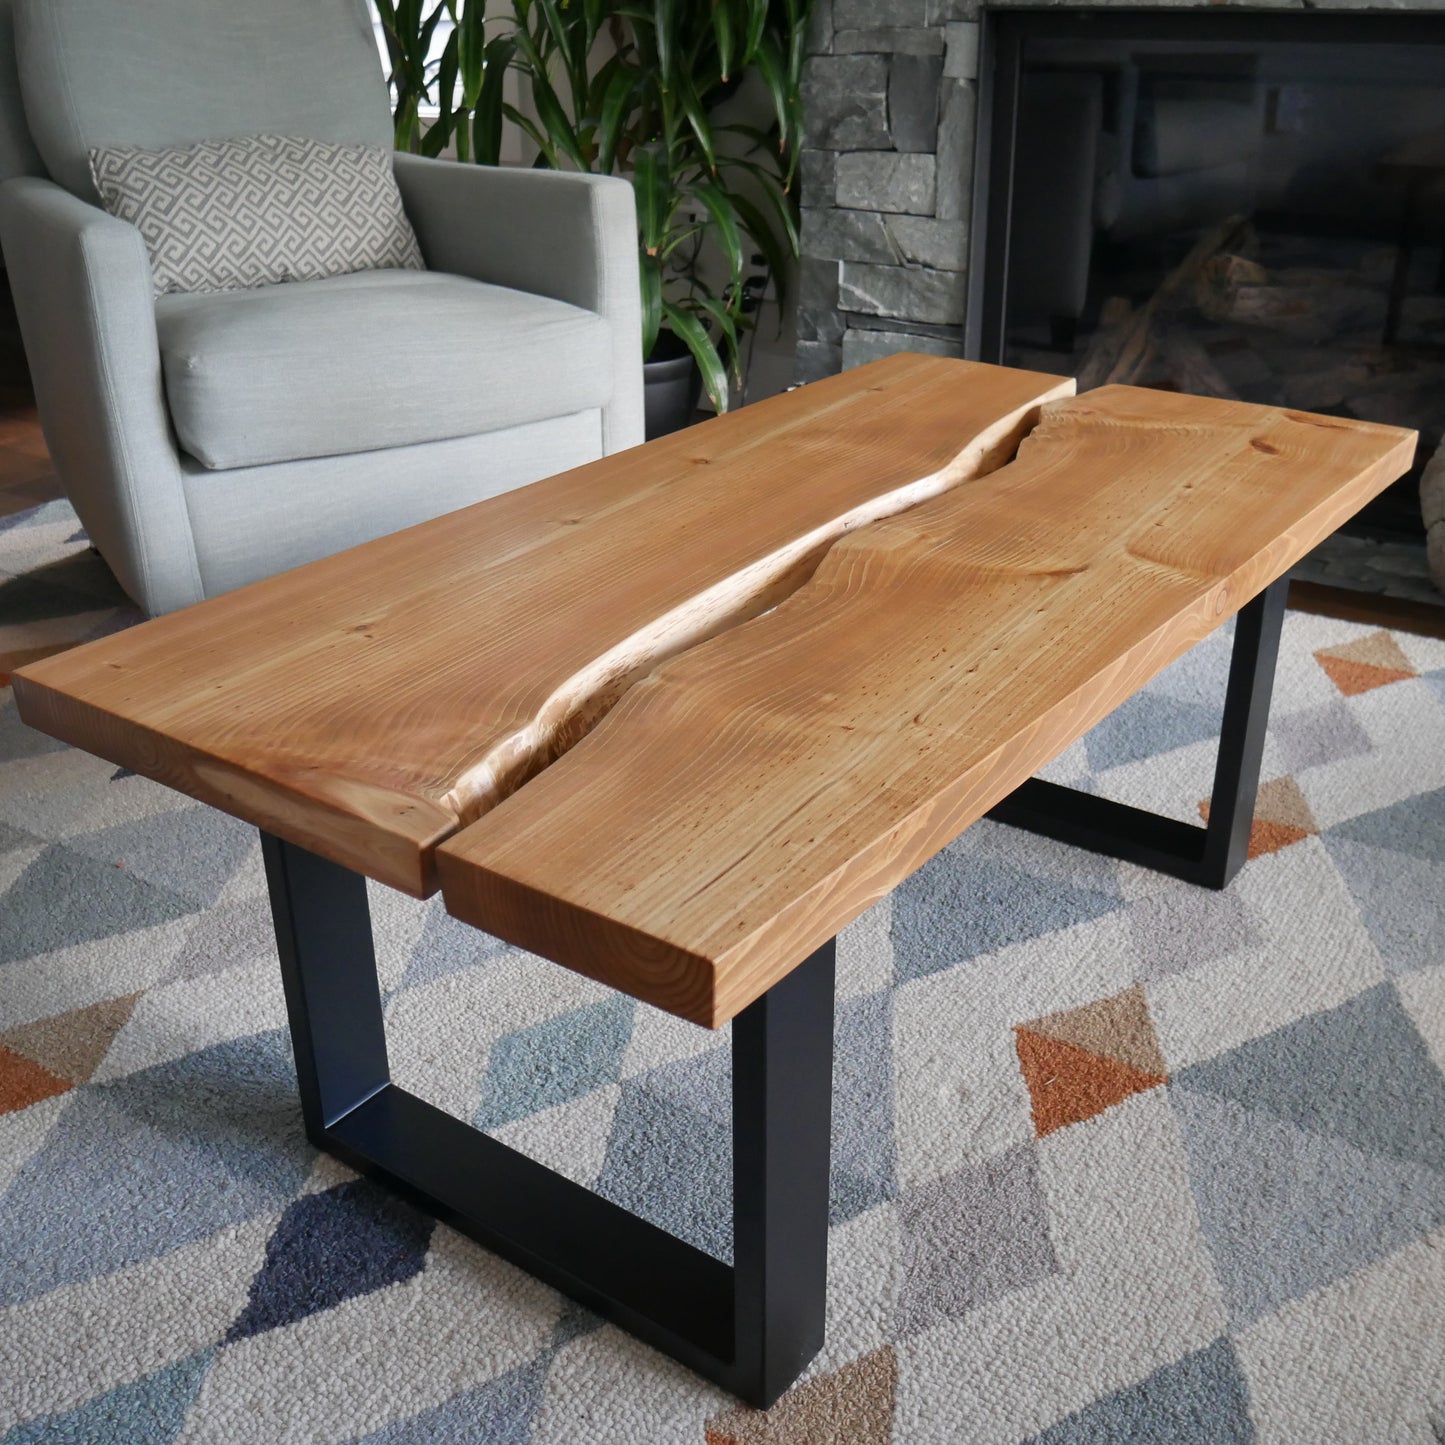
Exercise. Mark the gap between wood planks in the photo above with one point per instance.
(584, 699)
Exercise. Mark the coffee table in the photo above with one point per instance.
(674, 718)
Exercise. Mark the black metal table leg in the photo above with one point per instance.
(752, 1326)
(1210, 855)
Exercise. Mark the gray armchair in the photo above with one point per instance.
(210, 439)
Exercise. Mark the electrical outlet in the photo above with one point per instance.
(757, 287)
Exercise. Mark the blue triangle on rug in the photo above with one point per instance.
(555, 1061)
(1360, 1071)
(42, 916)
(346, 1241)
(574, 1322)
(497, 1413)
(1148, 724)
(161, 1158)
(955, 909)
(1401, 900)
(1202, 1399)
(1285, 1210)
(864, 1151)
(448, 945)
(17, 741)
(192, 852)
(671, 1164)
(150, 1410)
(701, 1083)
(1414, 825)
(47, 514)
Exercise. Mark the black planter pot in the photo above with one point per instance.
(671, 385)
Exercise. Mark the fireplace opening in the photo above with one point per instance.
(1244, 205)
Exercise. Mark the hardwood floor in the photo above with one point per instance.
(1372, 608)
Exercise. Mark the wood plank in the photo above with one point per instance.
(753, 795)
(367, 705)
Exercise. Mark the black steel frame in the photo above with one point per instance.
(1211, 855)
(751, 1326)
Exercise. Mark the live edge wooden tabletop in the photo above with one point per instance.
(674, 718)
(368, 705)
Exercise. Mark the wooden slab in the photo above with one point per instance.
(757, 792)
(368, 705)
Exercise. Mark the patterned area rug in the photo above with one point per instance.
(1115, 1159)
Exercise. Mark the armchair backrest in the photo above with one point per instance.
(166, 72)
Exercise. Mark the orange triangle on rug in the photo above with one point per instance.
(23, 1082)
(1068, 1084)
(1365, 664)
(852, 1406)
(1114, 1028)
(1281, 816)
(71, 1045)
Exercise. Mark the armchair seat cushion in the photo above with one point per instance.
(371, 360)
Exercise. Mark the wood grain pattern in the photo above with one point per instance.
(754, 794)
(368, 705)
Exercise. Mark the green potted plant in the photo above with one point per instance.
(463, 83)
(633, 89)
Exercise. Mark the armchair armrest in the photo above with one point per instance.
(83, 293)
(570, 237)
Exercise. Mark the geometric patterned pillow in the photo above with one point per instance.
(223, 215)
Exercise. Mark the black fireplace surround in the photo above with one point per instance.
(1241, 203)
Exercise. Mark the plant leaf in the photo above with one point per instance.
(546, 156)
(532, 61)
(678, 237)
(728, 325)
(405, 134)
(697, 119)
(554, 119)
(615, 106)
(762, 140)
(720, 208)
(722, 27)
(663, 15)
(770, 67)
(593, 12)
(446, 101)
(651, 278)
(691, 332)
(559, 31)
(649, 182)
(408, 16)
(487, 121)
(779, 203)
(471, 35)
(757, 23)
(428, 28)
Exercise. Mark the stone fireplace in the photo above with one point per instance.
(1313, 144)
(890, 112)
(889, 109)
